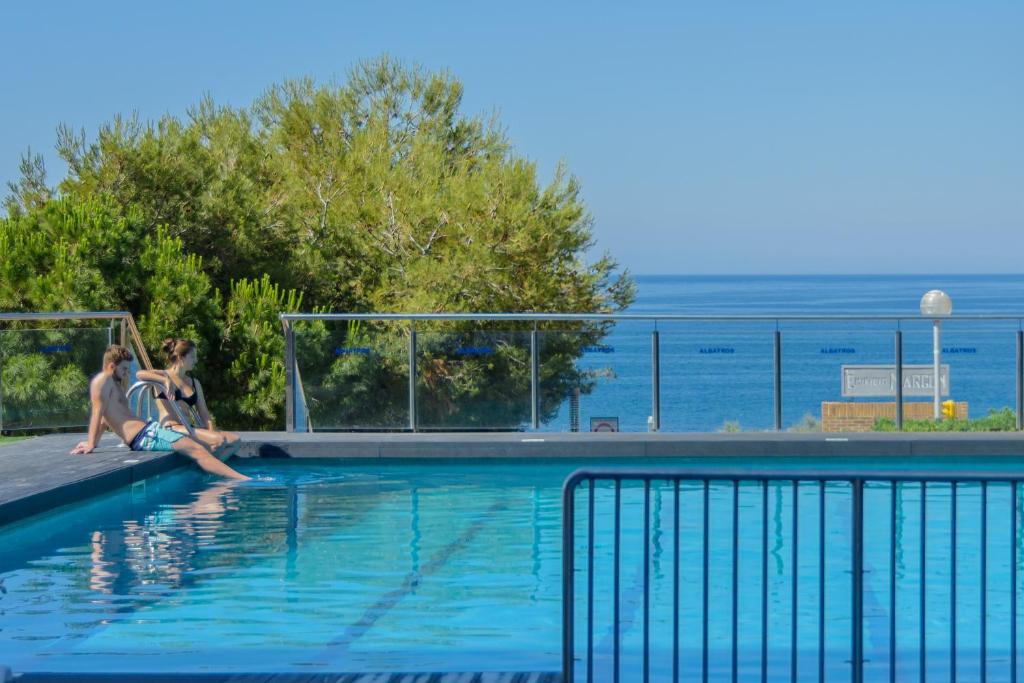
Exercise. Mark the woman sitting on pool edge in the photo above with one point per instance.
(188, 393)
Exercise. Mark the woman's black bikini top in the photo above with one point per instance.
(187, 400)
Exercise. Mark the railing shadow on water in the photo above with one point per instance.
(577, 372)
(790, 574)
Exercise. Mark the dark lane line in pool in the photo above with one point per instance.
(386, 602)
(630, 602)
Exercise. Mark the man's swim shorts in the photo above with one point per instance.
(153, 437)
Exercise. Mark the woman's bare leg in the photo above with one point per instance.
(205, 459)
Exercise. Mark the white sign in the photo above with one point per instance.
(880, 380)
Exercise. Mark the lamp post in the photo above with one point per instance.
(936, 304)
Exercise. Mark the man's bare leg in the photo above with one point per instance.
(205, 460)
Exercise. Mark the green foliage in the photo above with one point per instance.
(30, 192)
(179, 300)
(808, 423)
(254, 342)
(375, 194)
(60, 257)
(1004, 420)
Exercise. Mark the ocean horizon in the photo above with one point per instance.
(720, 375)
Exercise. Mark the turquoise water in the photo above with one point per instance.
(449, 566)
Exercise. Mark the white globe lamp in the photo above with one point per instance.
(936, 305)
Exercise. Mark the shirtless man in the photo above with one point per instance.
(110, 406)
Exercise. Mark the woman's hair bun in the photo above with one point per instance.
(168, 345)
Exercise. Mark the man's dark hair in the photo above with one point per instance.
(115, 354)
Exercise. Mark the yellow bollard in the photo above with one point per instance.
(949, 410)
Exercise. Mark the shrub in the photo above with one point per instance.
(1003, 420)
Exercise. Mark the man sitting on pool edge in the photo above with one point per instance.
(110, 406)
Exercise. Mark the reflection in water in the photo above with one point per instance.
(897, 539)
(656, 532)
(161, 548)
(779, 533)
(292, 530)
(414, 522)
(535, 546)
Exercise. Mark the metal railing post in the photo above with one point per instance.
(655, 381)
(899, 380)
(778, 381)
(568, 575)
(857, 580)
(124, 332)
(289, 377)
(534, 379)
(412, 376)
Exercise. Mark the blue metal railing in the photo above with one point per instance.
(844, 491)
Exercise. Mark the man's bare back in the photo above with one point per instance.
(116, 412)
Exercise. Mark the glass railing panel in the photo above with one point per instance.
(980, 358)
(815, 356)
(595, 382)
(716, 376)
(473, 380)
(353, 374)
(44, 376)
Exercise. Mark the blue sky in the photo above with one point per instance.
(715, 137)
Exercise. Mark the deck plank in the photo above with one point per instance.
(39, 474)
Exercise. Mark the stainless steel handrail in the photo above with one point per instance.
(77, 315)
(155, 388)
(128, 327)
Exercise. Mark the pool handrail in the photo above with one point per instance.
(155, 388)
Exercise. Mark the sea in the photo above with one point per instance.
(719, 375)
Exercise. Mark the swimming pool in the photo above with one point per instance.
(366, 566)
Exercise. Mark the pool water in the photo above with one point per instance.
(451, 565)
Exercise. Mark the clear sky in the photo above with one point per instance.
(874, 136)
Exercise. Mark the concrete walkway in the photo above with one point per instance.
(625, 445)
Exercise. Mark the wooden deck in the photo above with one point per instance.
(38, 474)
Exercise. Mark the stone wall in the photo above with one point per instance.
(847, 416)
